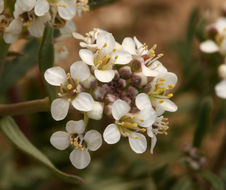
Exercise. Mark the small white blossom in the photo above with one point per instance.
(1, 6)
(103, 60)
(80, 141)
(129, 125)
(220, 88)
(149, 62)
(70, 89)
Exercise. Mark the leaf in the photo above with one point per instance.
(11, 130)
(183, 183)
(213, 180)
(46, 58)
(3, 49)
(204, 117)
(17, 68)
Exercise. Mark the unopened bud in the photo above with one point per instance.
(108, 109)
(136, 65)
(89, 83)
(138, 79)
(110, 98)
(100, 92)
(125, 72)
(132, 91)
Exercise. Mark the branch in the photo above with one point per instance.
(28, 107)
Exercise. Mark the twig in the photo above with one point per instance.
(27, 107)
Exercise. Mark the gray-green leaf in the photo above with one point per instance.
(46, 58)
(11, 130)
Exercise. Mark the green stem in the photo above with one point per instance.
(86, 119)
(28, 107)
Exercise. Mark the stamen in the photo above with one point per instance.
(170, 86)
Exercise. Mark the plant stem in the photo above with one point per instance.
(27, 107)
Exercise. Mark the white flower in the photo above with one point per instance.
(89, 40)
(158, 93)
(129, 125)
(82, 143)
(61, 51)
(97, 112)
(13, 31)
(159, 127)
(1, 6)
(70, 89)
(149, 62)
(103, 60)
(220, 89)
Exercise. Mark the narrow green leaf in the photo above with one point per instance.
(46, 58)
(3, 49)
(17, 68)
(183, 183)
(204, 118)
(216, 183)
(11, 130)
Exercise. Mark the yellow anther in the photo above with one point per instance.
(61, 84)
(143, 130)
(160, 55)
(126, 133)
(69, 99)
(170, 85)
(116, 57)
(68, 75)
(69, 86)
(94, 29)
(114, 50)
(165, 119)
(162, 80)
(160, 83)
(161, 101)
(74, 90)
(159, 90)
(59, 94)
(105, 45)
(170, 95)
(137, 138)
(141, 120)
(76, 78)
(154, 46)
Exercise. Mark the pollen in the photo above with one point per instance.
(69, 86)
(114, 50)
(141, 120)
(105, 45)
(170, 95)
(161, 101)
(143, 130)
(162, 79)
(170, 86)
(116, 57)
(68, 75)
(137, 138)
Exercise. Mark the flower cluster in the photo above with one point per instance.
(218, 44)
(125, 82)
(33, 15)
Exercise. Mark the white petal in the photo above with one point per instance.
(12, 32)
(143, 101)
(78, 36)
(26, 5)
(60, 140)
(138, 143)
(146, 117)
(121, 57)
(119, 109)
(129, 45)
(75, 127)
(41, 7)
(221, 89)
(80, 70)
(137, 42)
(93, 139)
(97, 112)
(223, 47)
(169, 79)
(36, 29)
(55, 76)
(104, 76)
(111, 134)
(83, 102)
(158, 66)
(167, 105)
(209, 46)
(106, 42)
(150, 132)
(153, 143)
(66, 9)
(87, 56)
(59, 108)
(68, 28)
(148, 72)
(221, 24)
(80, 158)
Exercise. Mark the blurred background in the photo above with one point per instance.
(177, 27)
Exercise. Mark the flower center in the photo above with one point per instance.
(128, 124)
(69, 89)
(28, 17)
(77, 142)
(161, 126)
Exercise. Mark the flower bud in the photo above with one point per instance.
(136, 65)
(222, 71)
(108, 109)
(132, 91)
(100, 92)
(110, 98)
(125, 72)
(89, 83)
(138, 79)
